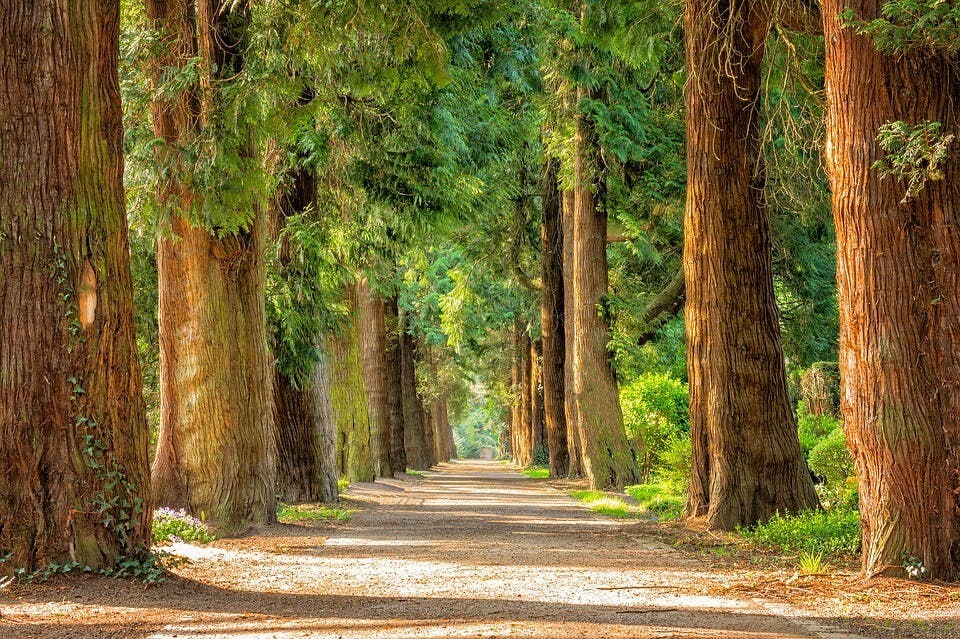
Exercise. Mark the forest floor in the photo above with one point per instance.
(472, 549)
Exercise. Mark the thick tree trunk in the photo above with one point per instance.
(417, 442)
(73, 433)
(373, 332)
(398, 455)
(348, 395)
(747, 463)
(552, 314)
(307, 436)
(609, 460)
(574, 443)
(898, 266)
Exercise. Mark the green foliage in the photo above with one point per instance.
(654, 415)
(287, 514)
(660, 498)
(173, 525)
(831, 532)
(915, 154)
(830, 459)
(905, 25)
(536, 472)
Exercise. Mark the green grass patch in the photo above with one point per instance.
(830, 532)
(176, 525)
(287, 514)
(658, 498)
(536, 472)
(604, 504)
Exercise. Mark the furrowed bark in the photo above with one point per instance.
(73, 431)
(747, 463)
(898, 277)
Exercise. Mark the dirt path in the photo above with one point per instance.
(472, 550)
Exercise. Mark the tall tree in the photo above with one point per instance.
(552, 314)
(898, 265)
(747, 463)
(608, 457)
(73, 434)
(216, 449)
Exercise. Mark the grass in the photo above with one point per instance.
(287, 514)
(604, 504)
(536, 472)
(829, 532)
(658, 498)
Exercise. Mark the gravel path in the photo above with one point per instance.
(473, 549)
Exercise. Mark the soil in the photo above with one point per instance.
(472, 549)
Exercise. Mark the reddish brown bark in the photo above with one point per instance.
(216, 449)
(71, 405)
(898, 276)
(552, 320)
(747, 463)
(609, 460)
(373, 333)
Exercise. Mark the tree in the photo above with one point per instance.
(216, 449)
(898, 263)
(74, 437)
(608, 458)
(552, 314)
(747, 463)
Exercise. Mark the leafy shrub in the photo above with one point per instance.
(176, 525)
(654, 415)
(659, 498)
(830, 459)
(830, 532)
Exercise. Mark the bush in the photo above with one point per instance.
(830, 459)
(176, 525)
(654, 415)
(831, 532)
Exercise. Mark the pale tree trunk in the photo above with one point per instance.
(348, 394)
(609, 460)
(552, 321)
(898, 277)
(307, 470)
(374, 344)
(74, 432)
(398, 455)
(574, 443)
(747, 463)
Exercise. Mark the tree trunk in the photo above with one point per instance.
(74, 432)
(398, 455)
(898, 266)
(348, 394)
(419, 449)
(307, 436)
(374, 344)
(574, 443)
(747, 463)
(552, 313)
(609, 460)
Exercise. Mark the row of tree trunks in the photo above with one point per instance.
(216, 450)
(747, 463)
(70, 378)
(898, 276)
(552, 319)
